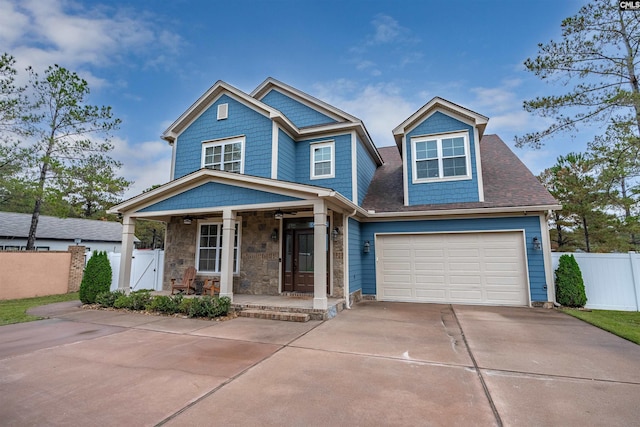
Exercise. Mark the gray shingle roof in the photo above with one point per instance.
(507, 182)
(17, 225)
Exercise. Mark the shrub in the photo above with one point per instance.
(206, 306)
(96, 278)
(138, 300)
(107, 299)
(165, 304)
(569, 284)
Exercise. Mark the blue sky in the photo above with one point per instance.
(378, 60)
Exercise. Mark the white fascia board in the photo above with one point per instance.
(476, 137)
(207, 99)
(202, 176)
(312, 102)
(405, 171)
(501, 211)
(354, 167)
(274, 149)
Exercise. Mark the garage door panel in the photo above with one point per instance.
(431, 294)
(467, 280)
(472, 268)
(511, 267)
(465, 295)
(401, 279)
(398, 293)
(440, 280)
(468, 266)
(429, 267)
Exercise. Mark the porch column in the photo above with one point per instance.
(226, 262)
(126, 253)
(320, 255)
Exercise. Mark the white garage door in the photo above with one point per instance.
(458, 268)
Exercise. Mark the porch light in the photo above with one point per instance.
(367, 247)
(77, 241)
(187, 220)
(334, 234)
(274, 235)
(537, 246)
(279, 214)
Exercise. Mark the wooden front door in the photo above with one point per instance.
(298, 260)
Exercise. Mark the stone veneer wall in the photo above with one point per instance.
(259, 262)
(180, 250)
(338, 258)
(259, 265)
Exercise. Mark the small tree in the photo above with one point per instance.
(569, 284)
(96, 278)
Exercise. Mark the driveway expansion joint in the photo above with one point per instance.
(478, 371)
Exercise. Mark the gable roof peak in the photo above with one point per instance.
(335, 113)
(438, 103)
(220, 87)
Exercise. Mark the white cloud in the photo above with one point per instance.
(147, 163)
(381, 106)
(42, 33)
(386, 28)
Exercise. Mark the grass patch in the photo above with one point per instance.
(15, 310)
(625, 324)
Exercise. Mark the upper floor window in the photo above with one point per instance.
(441, 157)
(322, 160)
(225, 155)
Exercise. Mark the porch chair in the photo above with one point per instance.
(211, 285)
(188, 281)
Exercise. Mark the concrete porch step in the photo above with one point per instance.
(274, 315)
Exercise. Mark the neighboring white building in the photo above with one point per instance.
(57, 234)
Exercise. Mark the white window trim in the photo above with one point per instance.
(223, 142)
(236, 269)
(315, 145)
(439, 138)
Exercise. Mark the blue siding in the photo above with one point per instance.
(448, 191)
(342, 180)
(366, 170)
(298, 113)
(355, 256)
(214, 195)
(242, 121)
(531, 225)
(286, 157)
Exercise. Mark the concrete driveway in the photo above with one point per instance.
(377, 364)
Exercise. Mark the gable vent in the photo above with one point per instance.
(223, 111)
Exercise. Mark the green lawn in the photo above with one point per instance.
(625, 324)
(15, 310)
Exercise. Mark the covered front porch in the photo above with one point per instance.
(272, 242)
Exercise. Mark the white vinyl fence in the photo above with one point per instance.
(147, 267)
(611, 281)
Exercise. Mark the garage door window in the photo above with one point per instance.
(441, 157)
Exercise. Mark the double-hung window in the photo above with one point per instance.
(224, 155)
(209, 252)
(322, 160)
(441, 157)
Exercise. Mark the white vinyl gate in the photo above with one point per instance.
(146, 269)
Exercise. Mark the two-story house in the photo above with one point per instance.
(277, 192)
